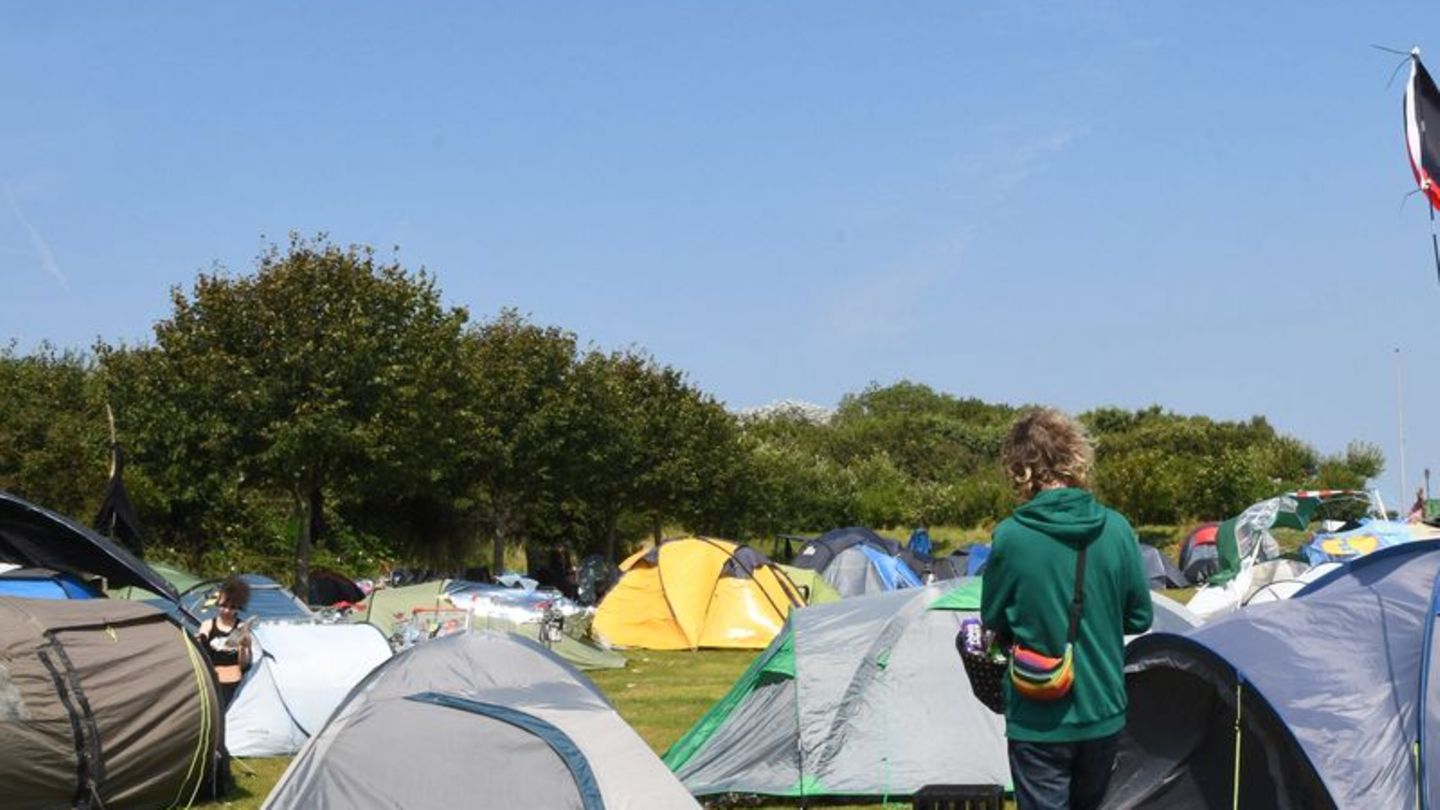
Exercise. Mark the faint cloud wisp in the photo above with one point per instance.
(902, 296)
(1012, 166)
(889, 302)
(42, 250)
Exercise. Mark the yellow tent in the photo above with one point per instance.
(696, 592)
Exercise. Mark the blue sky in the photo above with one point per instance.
(1195, 205)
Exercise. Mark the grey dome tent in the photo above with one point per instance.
(856, 560)
(103, 703)
(864, 697)
(1328, 699)
(860, 697)
(1159, 570)
(477, 720)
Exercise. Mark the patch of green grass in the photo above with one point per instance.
(253, 780)
(662, 694)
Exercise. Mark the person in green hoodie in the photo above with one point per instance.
(1062, 749)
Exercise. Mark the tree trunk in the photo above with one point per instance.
(657, 529)
(195, 548)
(536, 560)
(502, 536)
(302, 548)
(610, 522)
(317, 516)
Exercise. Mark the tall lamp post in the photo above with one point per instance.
(1400, 421)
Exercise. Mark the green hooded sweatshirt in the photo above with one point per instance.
(1029, 584)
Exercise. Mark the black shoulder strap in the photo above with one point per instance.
(1077, 603)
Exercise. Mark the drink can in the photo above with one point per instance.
(973, 635)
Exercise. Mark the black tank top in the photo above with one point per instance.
(214, 642)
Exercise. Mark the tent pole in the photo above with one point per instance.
(1235, 797)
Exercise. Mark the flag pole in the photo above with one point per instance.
(1400, 421)
(1434, 243)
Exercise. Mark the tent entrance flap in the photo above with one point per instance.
(1188, 744)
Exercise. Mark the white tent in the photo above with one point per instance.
(300, 674)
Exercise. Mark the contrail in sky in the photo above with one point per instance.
(47, 259)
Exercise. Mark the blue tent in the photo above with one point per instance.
(856, 560)
(1323, 700)
(976, 557)
(38, 583)
(269, 600)
(893, 571)
(1370, 535)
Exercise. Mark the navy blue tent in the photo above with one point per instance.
(268, 600)
(1328, 699)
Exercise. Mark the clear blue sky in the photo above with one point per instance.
(1192, 204)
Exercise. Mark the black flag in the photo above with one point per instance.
(116, 517)
(1422, 110)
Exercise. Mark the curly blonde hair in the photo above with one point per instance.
(1043, 448)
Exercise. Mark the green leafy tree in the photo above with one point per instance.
(326, 369)
(518, 451)
(53, 435)
(928, 435)
(1360, 462)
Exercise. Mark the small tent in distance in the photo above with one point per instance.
(695, 592)
(856, 560)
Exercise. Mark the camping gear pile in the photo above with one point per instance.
(411, 614)
(518, 606)
(1247, 557)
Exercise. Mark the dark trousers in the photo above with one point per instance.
(1056, 776)
(224, 780)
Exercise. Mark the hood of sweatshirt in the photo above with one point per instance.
(1070, 515)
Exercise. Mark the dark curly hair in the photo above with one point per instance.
(234, 591)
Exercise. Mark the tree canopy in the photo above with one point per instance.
(328, 403)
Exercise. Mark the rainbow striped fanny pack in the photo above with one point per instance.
(1037, 676)
(1041, 677)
